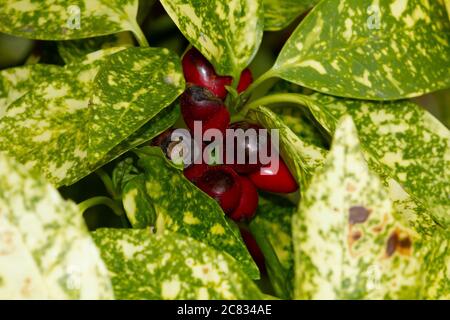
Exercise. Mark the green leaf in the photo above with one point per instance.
(46, 250)
(161, 122)
(64, 132)
(130, 89)
(227, 33)
(137, 203)
(402, 141)
(278, 14)
(271, 229)
(349, 241)
(182, 207)
(339, 49)
(75, 50)
(63, 20)
(123, 172)
(15, 82)
(301, 157)
(299, 122)
(170, 266)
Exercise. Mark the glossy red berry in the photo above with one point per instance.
(280, 181)
(199, 71)
(222, 184)
(248, 203)
(177, 146)
(195, 171)
(245, 80)
(248, 147)
(254, 249)
(199, 104)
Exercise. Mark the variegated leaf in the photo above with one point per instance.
(46, 128)
(161, 122)
(349, 241)
(45, 248)
(278, 14)
(170, 266)
(137, 204)
(433, 240)
(383, 50)
(58, 128)
(271, 229)
(62, 19)
(404, 141)
(75, 50)
(133, 87)
(227, 33)
(301, 157)
(15, 82)
(182, 207)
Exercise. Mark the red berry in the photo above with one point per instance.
(248, 203)
(221, 183)
(178, 146)
(195, 171)
(199, 71)
(245, 80)
(199, 104)
(253, 248)
(247, 147)
(280, 181)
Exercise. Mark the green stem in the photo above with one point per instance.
(106, 181)
(140, 37)
(295, 98)
(100, 200)
(265, 76)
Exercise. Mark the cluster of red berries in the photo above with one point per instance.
(233, 186)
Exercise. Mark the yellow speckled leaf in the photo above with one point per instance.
(379, 50)
(227, 33)
(45, 249)
(170, 266)
(352, 237)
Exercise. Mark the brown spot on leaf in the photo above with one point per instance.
(350, 188)
(358, 214)
(391, 244)
(398, 242)
(356, 235)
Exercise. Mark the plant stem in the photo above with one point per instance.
(295, 98)
(265, 76)
(100, 200)
(106, 181)
(139, 35)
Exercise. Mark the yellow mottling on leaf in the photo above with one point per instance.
(398, 7)
(316, 65)
(129, 203)
(217, 229)
(189, 218)
(364, 80)
(348, 29)
(170, 289)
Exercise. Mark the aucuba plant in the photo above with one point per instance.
(241, 149)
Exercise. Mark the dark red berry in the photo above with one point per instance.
(177, 146)
(195, 171)
(199, 71)
(221, 183)
(245, 80)
(248, 203)
(254, 249)
(280, 181)
(248, 146)
(199, 104)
